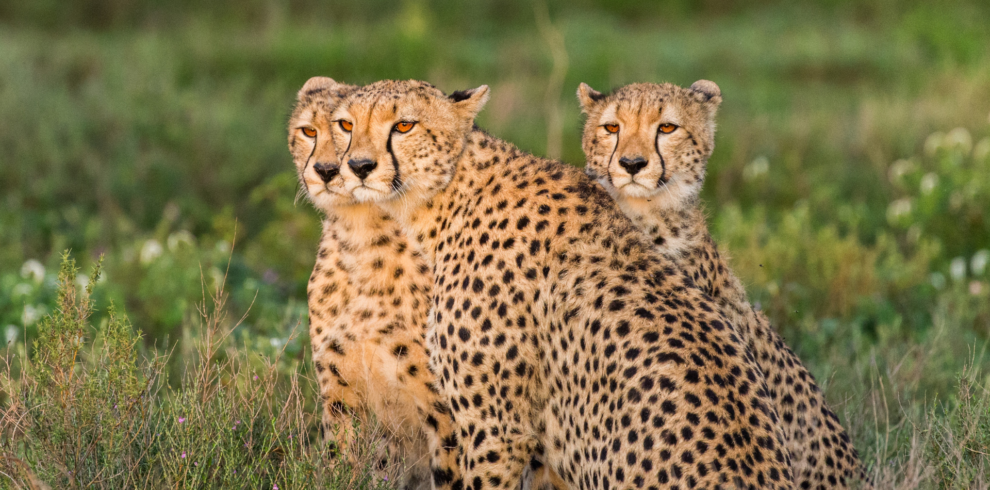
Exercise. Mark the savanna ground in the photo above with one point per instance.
(849, 185)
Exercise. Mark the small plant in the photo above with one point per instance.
(87, 411)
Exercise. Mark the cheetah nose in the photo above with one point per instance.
(632, 165)
(362, 167)
(326, 171)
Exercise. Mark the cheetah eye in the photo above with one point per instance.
(611, 128)
(346, 125)
(309, 132)
(404, 126)
(667, 128)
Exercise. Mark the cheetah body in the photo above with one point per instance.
(368, 305)
(661, 198)
(556, 327)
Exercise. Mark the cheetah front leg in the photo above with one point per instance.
(493, 441)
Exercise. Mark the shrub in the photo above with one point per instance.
(93, 413)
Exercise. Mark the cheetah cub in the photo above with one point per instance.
(368, 302)
(648, 145)
(555, 325)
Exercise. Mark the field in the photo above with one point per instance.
(849, 185)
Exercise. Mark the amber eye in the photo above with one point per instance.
(404, 127)
(667, 128)
(310, 132)
(346, 125)
(612, 128)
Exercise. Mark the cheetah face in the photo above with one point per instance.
(402, 139)
(311, 146)
(649, 141)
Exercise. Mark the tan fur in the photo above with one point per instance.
(555, 327)
(662, 199)
(368, 303)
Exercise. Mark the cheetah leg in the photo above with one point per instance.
(538, 476)
(338, 425)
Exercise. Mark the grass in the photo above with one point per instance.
(86, 412)
(848, 185)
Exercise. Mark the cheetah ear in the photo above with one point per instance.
(470, 102)
(317, 84)
(709, 93)
(588, 97)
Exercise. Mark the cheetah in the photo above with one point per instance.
(555, 326)
(368, 303)
(648, 145)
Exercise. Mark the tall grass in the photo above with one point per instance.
(86, 410)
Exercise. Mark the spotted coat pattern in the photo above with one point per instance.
(368, 305)
(556, 326)
(662, 199)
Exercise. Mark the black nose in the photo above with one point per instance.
(326, 171)
(632, 165)
(362, 167)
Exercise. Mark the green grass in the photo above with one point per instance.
(848, 185)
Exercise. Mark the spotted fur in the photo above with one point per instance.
(556, 327)
(368, 304)
(369, 299)
(661, 197)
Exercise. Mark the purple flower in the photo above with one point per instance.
(256, 377)
(183, 455)
(182, 419)
(275, 487)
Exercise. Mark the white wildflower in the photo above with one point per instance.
(31, 314)
(179, 238)
(957, 268)
(32, 269)
(898, 209)
(934, 142)
(961, 139)
(21, 289)
(899, 169)
(82, 280)
(929, 182)
(757, 168)
(978, 264)
(151, 251)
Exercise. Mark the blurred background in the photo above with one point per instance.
(849, 182)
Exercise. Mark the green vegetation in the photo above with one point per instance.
(848, 185)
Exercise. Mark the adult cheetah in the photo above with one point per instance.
(368, 302)
(554, 323)
(649, 145)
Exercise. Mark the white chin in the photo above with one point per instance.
(367, 194)
(325, 199)
(633, 189)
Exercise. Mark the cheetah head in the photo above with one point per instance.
(311, 146)
(649, 141)
(402, 139)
